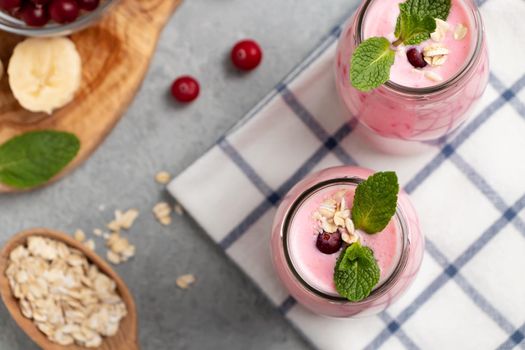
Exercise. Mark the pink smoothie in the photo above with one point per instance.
(308, 274)
(317, 268)
(413, 110)
(381, 20)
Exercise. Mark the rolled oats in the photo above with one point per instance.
(69, 299)
(162, 212)
(163, 177)
(185, 281)
(435, 54)
(80, 235)
(120, 250)
(440, 33)
(90, 244)
(433, 76)
(97, 232)
(334, 215)
(460, 32)
(123, 220)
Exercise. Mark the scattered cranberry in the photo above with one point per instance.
(88, 5)
(10, 5)
(329, 243)
(34, 16)
(64, 11)
(185, 89)
(416, 59)
(246, 55)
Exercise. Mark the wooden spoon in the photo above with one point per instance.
(126, 337)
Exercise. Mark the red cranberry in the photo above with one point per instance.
(185, 89)
(416, 59)
(10, 5)
(88, 5)
(34, 16)
(246, 55)
(64, 11)
(329, 243)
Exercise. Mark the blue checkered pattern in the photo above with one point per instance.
(461, 272)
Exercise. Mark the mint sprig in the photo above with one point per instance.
(371, 63)
(373, 58)
(423, 8)
(356, 272)
(33, 158)
(414, 29)
(375, 202)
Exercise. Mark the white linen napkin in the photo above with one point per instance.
(470, 194)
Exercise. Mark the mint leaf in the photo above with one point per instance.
(371, 63)
(427, 8)
(414, 29)
(356, 272)
(375, 202)
(33, 158)
(420, 11)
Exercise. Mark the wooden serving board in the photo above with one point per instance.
(115, 57)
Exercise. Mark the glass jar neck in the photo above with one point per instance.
(378, 291)
(461, 75)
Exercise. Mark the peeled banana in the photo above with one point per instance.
(44, 73)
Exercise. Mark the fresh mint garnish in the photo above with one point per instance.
(427, 8)
(371, 63)
(373, 58)
(375, 202)
(414, 29)
(356, 272)
(33, 158)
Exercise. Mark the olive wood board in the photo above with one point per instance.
(115, 56)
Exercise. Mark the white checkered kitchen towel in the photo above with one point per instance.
(470, 195)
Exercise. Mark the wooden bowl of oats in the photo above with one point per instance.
(63, 295)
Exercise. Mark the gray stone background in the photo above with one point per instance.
(223, 310)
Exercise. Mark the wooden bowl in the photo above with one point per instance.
(126, 337)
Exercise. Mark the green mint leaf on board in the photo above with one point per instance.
(33, 158)
(375, 202)
(371, 63)
(414, 29)
(422, 9)
(356, 272)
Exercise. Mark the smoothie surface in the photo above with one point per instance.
(317, 268)
(380, 20)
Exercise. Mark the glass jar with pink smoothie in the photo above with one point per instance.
(307, 268)
(423, 100)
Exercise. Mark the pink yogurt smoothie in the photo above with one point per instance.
(416, 108)
(317, 268)
(308, 273)
(381, 21)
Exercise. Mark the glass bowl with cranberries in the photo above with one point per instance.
(41, 18)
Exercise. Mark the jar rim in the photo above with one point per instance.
(376, 293)
(391, 86)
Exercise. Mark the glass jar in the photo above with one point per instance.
(399, 118)
(407, 265)
(15, 25)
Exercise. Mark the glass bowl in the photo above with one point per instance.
(14, 25)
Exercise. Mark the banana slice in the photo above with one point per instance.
(44, 73)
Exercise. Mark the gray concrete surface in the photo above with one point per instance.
(224, 310)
